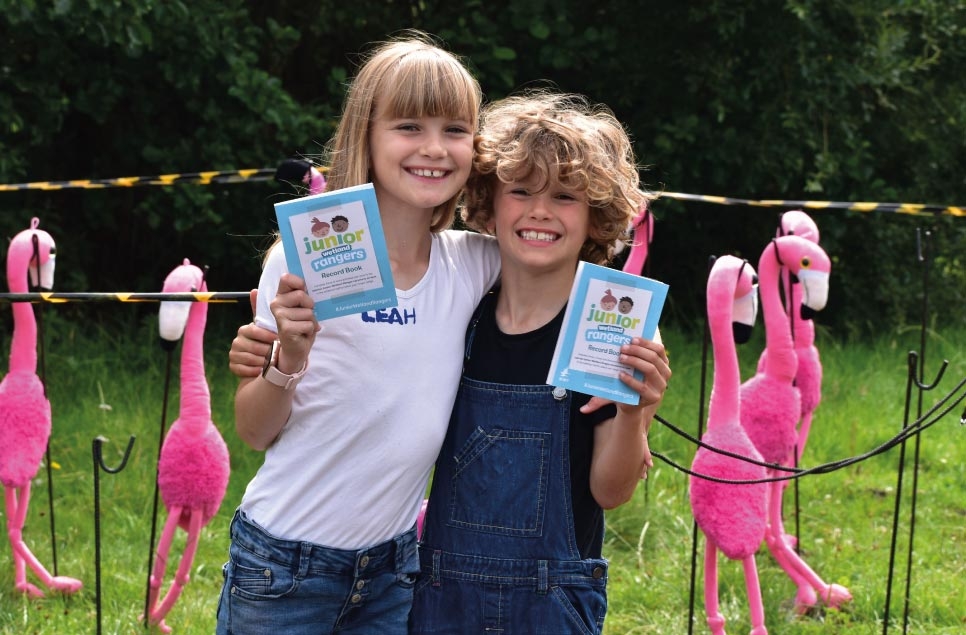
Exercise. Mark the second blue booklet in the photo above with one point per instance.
(335, 242)
(607, 307)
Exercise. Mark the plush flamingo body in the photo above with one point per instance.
(25, 425)
(193, 469)
(25, 419)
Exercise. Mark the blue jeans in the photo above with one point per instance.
(283, 587)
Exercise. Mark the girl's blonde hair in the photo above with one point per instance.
(559, 138)
(407, 77)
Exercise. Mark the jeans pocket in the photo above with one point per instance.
(258, 578)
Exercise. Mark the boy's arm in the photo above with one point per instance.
(621, 452)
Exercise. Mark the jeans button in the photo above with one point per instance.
(360, 584)
(364, 561)
(598, 573)
(356, 598)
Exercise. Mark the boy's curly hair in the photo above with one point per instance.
(559, 138)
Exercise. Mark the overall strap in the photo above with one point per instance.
(471, 329)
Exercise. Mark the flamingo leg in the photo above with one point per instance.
(811, 587)
(16, 516)
(712, 608)
(160, 567)
(182, 576)
(755, 605)
(803, 430)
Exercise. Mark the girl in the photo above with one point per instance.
(324, 537)
(514, 528)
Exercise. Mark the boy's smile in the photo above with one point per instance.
(540, 227)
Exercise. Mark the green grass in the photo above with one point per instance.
(846, 516)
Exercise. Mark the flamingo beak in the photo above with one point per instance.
(44, 278)
(744, 316)
(172, 319)
(814, 292)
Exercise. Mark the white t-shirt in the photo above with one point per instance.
(350, 467)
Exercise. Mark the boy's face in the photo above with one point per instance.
(540, 231)
(418, 162)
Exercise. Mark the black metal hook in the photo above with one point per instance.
(913, 372)
(98, 466)
(99, 459)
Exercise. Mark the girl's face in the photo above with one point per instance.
(540, 230)
(418, 162)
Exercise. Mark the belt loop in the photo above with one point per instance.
(305, 559)
(436, 557)
(542, 577)
(397, 554)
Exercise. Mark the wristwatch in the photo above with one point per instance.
(273, 375)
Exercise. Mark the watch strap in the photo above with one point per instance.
(274, 376)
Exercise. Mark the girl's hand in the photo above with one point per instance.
(297, 325)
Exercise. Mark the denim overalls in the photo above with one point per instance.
(498, 552)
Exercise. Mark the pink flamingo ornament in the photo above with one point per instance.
(643, 227)
(771, 403)
(300, 171)
(808, 378)
(25, 421)
(731, 516)
(193, 468)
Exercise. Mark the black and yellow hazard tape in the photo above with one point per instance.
(122, 296)
(265, 174)
(196, 178)
(899, 208)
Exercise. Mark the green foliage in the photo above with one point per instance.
(794, 100)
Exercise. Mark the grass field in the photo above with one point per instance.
(109, 382)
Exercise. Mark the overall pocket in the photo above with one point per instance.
(499, 484)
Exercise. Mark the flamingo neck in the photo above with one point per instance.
(23, 347)
(195, 397)
(639, 248)
(723, 405)
(637, 257)
(803, 331)
(781, 360)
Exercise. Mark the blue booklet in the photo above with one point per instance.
(607, 307)
(335, 242)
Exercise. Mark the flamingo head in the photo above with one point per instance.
(173, 314)
(798, 223)
(36, 249)
(810, 266)
(734, 280)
